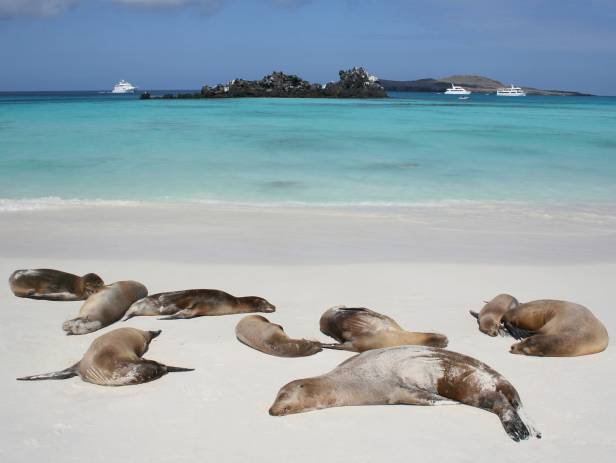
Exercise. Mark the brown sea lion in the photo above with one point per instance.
(259, 333)
(362, 329)
(192, 303)
(489, 318)
(53, 285)
(555, 329)
(105, 307)
(412, 375)
(114, 359)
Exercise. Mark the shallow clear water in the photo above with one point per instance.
(407, 149)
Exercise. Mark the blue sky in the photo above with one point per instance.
(160, 44)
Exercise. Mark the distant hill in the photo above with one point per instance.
(478, 84)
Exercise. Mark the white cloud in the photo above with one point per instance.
(168, 3)
(11, 8)
(42, 8)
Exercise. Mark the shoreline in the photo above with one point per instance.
(458, 233)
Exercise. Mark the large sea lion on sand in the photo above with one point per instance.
(555, 329)
(259, 333)
(53, 285)
(114, 359)
(362, 329)
(489, 318)
(412, 375)
(105, 307)
(192, 303)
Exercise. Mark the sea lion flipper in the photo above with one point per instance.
(177, 369)
(515, 426)
(338, 346)
(474, 314)
(182, 314)
(517, 332)
(62, 374)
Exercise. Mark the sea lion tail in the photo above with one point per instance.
(62, 374)
(177, 369)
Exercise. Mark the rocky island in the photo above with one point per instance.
(353, 83)
(476, 84)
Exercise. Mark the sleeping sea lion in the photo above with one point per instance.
(489, 318)
(412, 375)
(259, 333)
(192, 303)
(362, 329)
(114, 359)
(105, 307)
(53, 285)
(555, 329)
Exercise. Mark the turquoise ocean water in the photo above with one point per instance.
(410, 148)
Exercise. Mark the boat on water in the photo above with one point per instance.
(463, 97)
(510, 91)
(123, 87)
(456, 90)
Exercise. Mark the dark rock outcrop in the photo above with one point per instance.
(353, 83)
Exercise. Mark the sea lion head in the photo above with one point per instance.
(489, 319)
(258, 304)
(92, 283)
(81, 326)
(301, 395)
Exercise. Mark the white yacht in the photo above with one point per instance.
(455, 90)
(123, 87)
(510, 91)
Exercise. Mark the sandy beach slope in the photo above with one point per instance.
(425, 268)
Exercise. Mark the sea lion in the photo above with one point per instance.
(114, 359)
(555, 329)
(105, 307)
(53, 285)
(412, 375)
(192, 303)
(489, 318)
(359, 330)
(259, 333)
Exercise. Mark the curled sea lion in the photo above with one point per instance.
(192, 303)
(259, 333)
(359, 330)
(489, 318)
(555, 329)
(114, 359)
(53, 285)
(412, 375)
(105, 307)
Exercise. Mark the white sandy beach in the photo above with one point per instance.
(426, 267)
